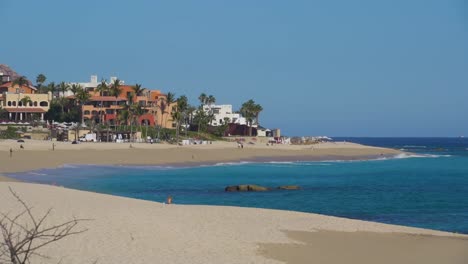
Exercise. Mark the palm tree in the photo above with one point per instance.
(82, 97)
(248, 111)
(190, 111)
(128, 108)
(138, 111)
(170, 99)
(51, 87)
(126, 114)
(177, 117)
(162, 107)
(40, 80)
(63, 88)
(256, 111)
(138, 90)
(210, 100)
(202, 98)
(115, 89)
(103, 89)
(20, 81)
(74, 88)
(179, 112)
(24, 102)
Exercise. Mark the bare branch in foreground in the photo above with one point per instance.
(24, 234)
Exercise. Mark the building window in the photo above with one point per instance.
(86, 112)
(14, 103)
(20, 103)
(44, 104)
(35, 103)
(110, 111)
(94, 112)
(9, 103)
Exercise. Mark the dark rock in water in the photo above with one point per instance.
(290, 187)
(243, 188)
(246, 188)
(231, 189)
(256, 188)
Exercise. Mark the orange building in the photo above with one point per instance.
(107, 109)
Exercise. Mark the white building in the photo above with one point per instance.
(91, 85)
(264, 132)
(221, 112)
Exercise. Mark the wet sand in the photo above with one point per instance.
(332, 247)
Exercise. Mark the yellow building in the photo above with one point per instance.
(23, 104)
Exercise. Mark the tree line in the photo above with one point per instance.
(183, 114)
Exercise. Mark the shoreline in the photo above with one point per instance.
(195, 164)
(39, 155)
(128, 230)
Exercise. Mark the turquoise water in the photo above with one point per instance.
(428, 190)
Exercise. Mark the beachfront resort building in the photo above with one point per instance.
(21, 102)
(222, 113)
(103, 108)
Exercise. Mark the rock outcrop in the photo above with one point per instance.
(258, 188)
(246, 188)
(289, 187)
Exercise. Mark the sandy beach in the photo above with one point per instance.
(127, 230)
(39, 154)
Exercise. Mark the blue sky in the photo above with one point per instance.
(331, 67)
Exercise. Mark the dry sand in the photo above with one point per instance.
(134, 231)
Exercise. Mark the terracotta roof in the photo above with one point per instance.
(107, 98)
(9, 84)
(25, 110)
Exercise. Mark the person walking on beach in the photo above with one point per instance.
(169, 199)
(11, 152)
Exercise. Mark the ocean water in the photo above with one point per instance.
(428, 189)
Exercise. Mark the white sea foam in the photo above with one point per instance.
(229, 163)
(37, 173)
(414, 146)
(281, 162)
(286, 164)
(407, 156)
(70, 166)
